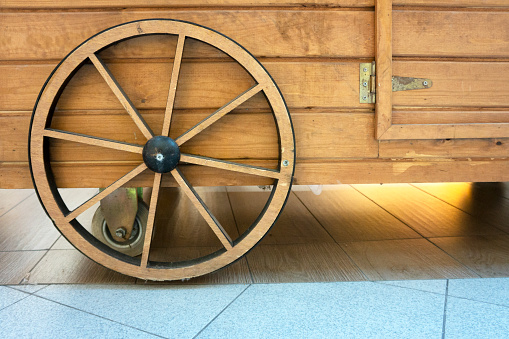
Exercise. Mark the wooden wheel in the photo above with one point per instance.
(161, 154)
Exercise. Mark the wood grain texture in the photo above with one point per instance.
(433, 218)
(232, 137)
(383, 61)
(349, 216)
(326, 172)
(15, 4)
(486, 255)
(278, 33)
(404, 259)
(295, 225)
(179, 225)
(435, 34)
(484, 201)
(202, 85)
(70, 266)
(236, 273)
(455, 84)
(26, 227)
(302, 262)
(10, 199)
(444, 148)
(16, 266)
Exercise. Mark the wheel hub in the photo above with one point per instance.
(161, 154)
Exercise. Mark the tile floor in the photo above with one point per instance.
(463, 308)
(404, 261)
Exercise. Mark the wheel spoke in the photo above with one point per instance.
(122, 97)
(151, 219)
(218, 114)
(173, 85)
(91, 140)
(101, 195)
(229, 166)
(202, 208)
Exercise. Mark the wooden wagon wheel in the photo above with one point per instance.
(161, 154)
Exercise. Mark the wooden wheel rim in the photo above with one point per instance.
(85, 242)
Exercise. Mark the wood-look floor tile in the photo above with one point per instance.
(27, 227)
(10, 198)
(424, 213)
(349, 216)
(72, 267)
(483, 200)
(179, 224)
(301, 263)
(15, 266)
(487, 255)
(236, 273)
(294, 226)
(404, 259)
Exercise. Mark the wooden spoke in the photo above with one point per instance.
(218, 114)
(229, 166)
(173, 85)
(151, 219)
(202, 208)
(91, 140)
(101, 195)
(122, 97)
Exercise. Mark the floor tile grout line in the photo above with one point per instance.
(408, 288)
(462, 210)
(14, 303)
(335, 241)
(453, 258)
(27, 275)
(13, 207)
(238, 232)
(390, 213)
(224, 309)
(96, 315)
(444, 323)
(478, 301)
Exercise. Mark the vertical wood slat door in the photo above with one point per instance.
(464, 51)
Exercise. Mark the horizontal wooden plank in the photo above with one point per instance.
(450, 33)
(268, 33)
(326, 135)
(51, 35)
(450, 117)
(446, 131)
(303, 84)
(201, 85)
(19, 4)
(17, 175)
(455, 84)
(450, 148)
(177, 3)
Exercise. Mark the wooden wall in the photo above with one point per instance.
(311, 48)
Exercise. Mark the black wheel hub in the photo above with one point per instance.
(161, 154)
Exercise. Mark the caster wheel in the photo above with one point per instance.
(160, 160)
(134, 245)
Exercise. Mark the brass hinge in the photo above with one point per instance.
(368, 83)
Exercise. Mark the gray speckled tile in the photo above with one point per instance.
(490, 290)
(28, 288)
(472, 319)
(331, 310)
(34, 317)
(433, 286)
(169, 311)
(9, 296)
